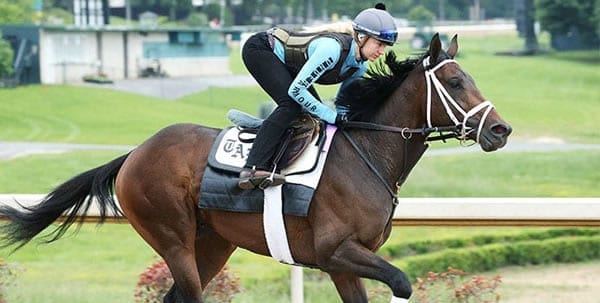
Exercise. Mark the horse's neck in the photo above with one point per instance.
(390, 152)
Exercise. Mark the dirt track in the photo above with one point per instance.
(557, 283)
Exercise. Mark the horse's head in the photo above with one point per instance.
(454, 99)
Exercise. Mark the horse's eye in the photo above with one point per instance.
(455, 83)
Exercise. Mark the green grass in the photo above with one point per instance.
(42, 173)
(544, 174)
(541, 174)
(94, 115)
(95, 265)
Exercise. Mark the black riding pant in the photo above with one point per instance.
(275, 78)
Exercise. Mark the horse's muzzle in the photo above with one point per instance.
(494, 136)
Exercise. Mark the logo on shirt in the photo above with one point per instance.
(316, 73)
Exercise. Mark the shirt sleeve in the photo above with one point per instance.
(324, 54)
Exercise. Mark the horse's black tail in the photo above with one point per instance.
(71, 199)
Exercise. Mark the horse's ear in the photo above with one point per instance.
(434, 48)
(453, 48)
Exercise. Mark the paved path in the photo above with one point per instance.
(15, 149)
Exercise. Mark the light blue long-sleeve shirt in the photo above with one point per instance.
(323, 55)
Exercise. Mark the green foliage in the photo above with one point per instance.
(455, 285)
(15, 12)
(488, 257)
(6, 57)
(57, 16)
(565, 16)
(405, 249)
(156, 280)
(197, 19)
(421, 14)
(596, 17)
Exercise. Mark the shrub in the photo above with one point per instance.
(454, 286)
(156, 281)
(423, 247)
(6, 58)
(478, 259)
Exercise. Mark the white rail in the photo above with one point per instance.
(414, 210)
(498, 211)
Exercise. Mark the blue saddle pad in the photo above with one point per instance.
(219, 188)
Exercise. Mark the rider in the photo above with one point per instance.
(286, 65)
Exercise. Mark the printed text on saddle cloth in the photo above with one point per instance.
(232, 151)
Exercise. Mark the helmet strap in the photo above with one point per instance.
(358, 37)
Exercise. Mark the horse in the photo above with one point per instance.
(394, 112)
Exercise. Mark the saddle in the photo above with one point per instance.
(297, 138)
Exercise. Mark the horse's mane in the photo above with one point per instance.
(366, 95)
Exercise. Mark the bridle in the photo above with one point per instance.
(448, 101)
(460, 130)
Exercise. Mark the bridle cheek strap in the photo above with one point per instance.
(449, 103)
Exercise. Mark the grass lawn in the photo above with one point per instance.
(544, 174)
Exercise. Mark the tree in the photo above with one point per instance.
(421, 14)
(596, 15)
(574, 20)
(12, 12)
(6, 58)
(525, 16)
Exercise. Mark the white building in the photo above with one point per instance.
(65, 54)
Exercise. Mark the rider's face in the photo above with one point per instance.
(373, 48)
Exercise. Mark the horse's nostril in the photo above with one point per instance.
(501, 130)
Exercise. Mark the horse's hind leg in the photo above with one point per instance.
(212, 252)
(167, 221)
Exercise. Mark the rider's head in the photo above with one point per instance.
(376, 23)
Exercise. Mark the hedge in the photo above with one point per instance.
(489, 257)
(423, 247)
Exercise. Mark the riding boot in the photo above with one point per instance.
(259, 170)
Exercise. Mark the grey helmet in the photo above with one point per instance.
(377, 23)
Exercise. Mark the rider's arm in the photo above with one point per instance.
(324, 54)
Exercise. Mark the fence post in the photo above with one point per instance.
(297, 285)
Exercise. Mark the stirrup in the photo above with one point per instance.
(261, 182)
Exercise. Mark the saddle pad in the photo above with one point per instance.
(219, 189)
(230, 154)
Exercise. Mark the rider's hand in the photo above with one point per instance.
(341, 119)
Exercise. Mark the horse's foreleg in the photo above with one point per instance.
(352, 257)
(350, 287)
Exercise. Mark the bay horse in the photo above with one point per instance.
(393, 111)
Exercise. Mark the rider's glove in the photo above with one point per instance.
(341, 119)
